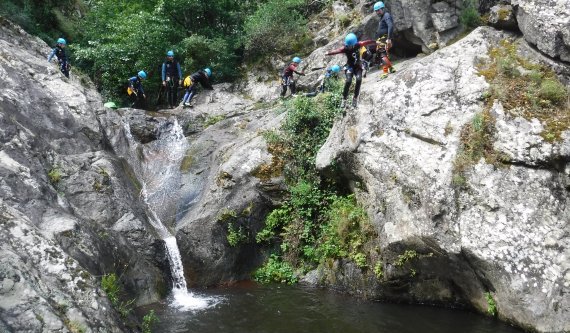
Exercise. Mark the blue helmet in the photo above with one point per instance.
(335, 68)
(142, 75)
(379, 5)
(170, 53)
(61, 41)
(208, 71)
(350, 39)
(297, 60)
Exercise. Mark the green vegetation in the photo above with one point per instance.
(75, 327)
(111, 40)
(469, 16)
(111, 287)
(476, 143)
(213, 120)
(148, 321)
(236, 235)
(379, 270)
(54, 176)
(403, 258)
(317, 223)
(491, 304)
(275, 26)
(276, 270)
(527, 89)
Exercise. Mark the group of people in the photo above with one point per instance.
(359, 55)
(171, 79)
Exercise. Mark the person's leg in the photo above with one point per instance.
(292, 87)
(191, 91)
(358, 77)
(175, 92)
(347, 83)
(284, 84)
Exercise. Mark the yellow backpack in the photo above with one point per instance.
(187, 82)
(129, 91)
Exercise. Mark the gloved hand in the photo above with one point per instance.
(179, 82)
(388, 44)
(164, 83)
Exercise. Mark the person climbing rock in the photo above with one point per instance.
(136, 91)
(171, 78)
(353, 67)
(384, 38)
(59, 52)
(330, 73)
(287, 77)
(190, 82)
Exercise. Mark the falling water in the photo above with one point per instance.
(159, 177)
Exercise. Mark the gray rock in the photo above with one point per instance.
(506, 234)
(58, 180)
(444, 21)
(546, 24)
(502, 17)
(440, 7)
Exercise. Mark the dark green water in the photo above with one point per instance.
(275, 309)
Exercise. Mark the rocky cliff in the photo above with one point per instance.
(503, 232)
(69, 212)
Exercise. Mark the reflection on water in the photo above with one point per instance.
(249, 308)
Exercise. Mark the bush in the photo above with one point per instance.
(469, 16)
(111, 287)
(276, 270)
(554, 91)
(148, 321)
(274, 27)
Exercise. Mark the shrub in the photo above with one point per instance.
(111, 287)
(148, 321)
(469, 16)
(276, 270)
(274, 26)
(54, 176)
(551, 89)
(491, 304)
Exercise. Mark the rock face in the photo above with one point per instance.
(502, 17)
(507, 234)
(69, 211)
(546, 24)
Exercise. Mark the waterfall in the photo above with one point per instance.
(158, 172)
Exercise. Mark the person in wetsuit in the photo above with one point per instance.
(59, 52)
(171, 78)
(353, 67)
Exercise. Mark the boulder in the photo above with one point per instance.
(546, 25)
(505, 235)
(502, 17)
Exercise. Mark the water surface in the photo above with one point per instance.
(252, 308)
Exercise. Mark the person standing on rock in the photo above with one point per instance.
(191, 81)
(171, 78)
(353, 67)
(136, 91)
(330, 73)
(287, 77)
(59, 52)
(384, 38)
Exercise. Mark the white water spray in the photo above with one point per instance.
(158, 182)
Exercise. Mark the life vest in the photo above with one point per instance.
(188, 82)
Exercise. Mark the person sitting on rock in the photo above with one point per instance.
(353, 65)
(384, 37)
(59, 52)
(136, 91)
(190, 82)
(287, 77)
(171, 78)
